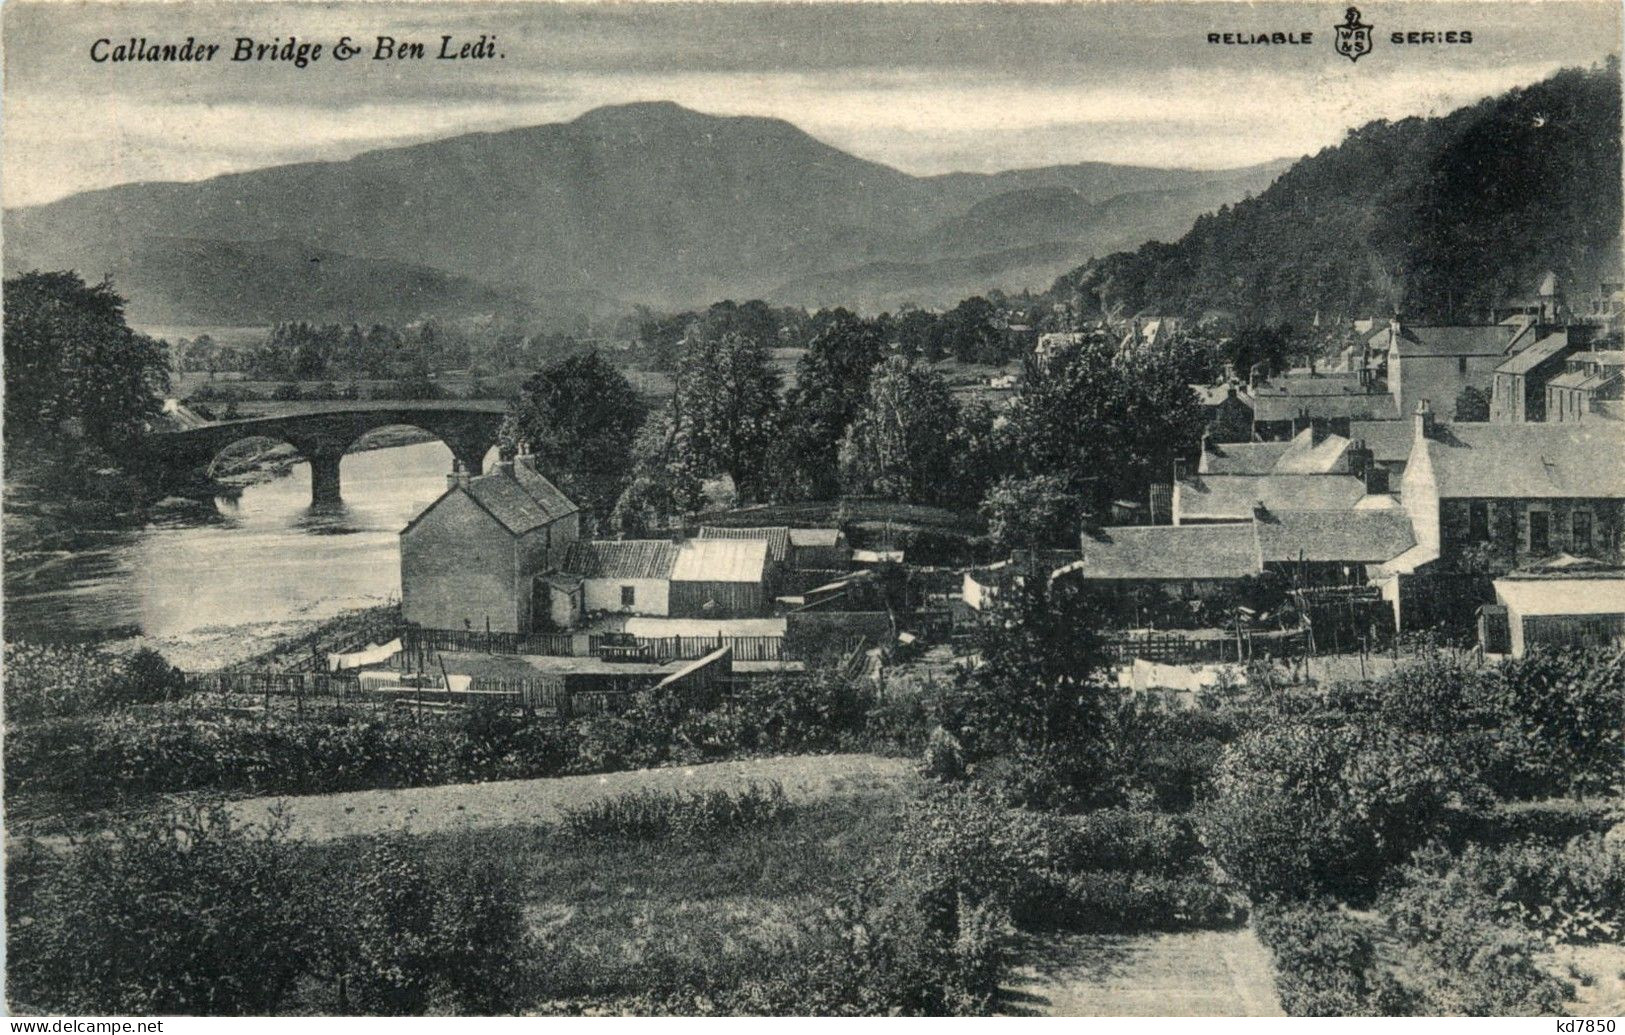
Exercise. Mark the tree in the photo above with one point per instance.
(70, 355)
(901, 444)
(663, 485)
(832, 384)
(726, 407)
(1472, 405)
(1038, 708)
(579, 417)
(1110, 421)
(1031, 513)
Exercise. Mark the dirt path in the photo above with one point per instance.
(423, 810)
(1193, 974)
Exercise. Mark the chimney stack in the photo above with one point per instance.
(458, 478)
(503, 466)
(1317, 430)
(1423, 420)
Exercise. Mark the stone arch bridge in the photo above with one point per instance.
(323, 432)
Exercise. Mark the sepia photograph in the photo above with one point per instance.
(854, 508)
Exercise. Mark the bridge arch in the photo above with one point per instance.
(246, 446)
(323, 436)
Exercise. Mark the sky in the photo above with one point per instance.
(925, 87)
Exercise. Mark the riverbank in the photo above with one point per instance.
(282, 643)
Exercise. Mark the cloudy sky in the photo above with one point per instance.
(925, 87)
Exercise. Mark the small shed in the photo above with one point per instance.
(1583, 608)
(719, 578)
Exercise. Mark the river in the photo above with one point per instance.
(265, 558)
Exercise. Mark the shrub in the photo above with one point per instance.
(407, 936)
(1325, 963)
(654, 814)
(163, 915)
(45, 682)
(1114, 870)
(288, 392)
(1309, 807)
(1572, 893)
(1560, 709)
(1475, 964)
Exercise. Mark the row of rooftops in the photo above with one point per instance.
(1239, 549)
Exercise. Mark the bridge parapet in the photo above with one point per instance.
(323, 433)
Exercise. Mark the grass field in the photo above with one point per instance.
(619, 923)
(427, 810)
(1189, 974)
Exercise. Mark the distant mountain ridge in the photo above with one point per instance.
(1439, 218)
(646, 202)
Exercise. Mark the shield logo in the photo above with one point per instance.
(1353, 36)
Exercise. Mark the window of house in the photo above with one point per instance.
(1461, 364)
(629, 595)
(1582, 530)
(1540, 532)
(1478, 521)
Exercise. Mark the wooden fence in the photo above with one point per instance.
(308, 692)
(568, 645)
(1174, 648)
(559, 645)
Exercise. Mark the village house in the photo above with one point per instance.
(1189, 562)
(1284, 406)
(1312, 451)
(1228, 410)
(1437, 362)
(470, 559)
(1518, 391)
(1492, 497)
(1591, 387)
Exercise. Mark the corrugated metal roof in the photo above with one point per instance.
(815, 537)
(720, 560)
(1548, 596)
(777, 537)
(621, 558)
(1568, 460)
(1170, 552)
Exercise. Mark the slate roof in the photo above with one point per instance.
(777, 538)
(1241, 457)
(1390, 441)
(1489, 339)
(1359, 537)
(1305, 456)
(1546, 348)
(1231, 497)
(1570, 460)
(1151, 552)
(1322, 395)
(720, 560)
(621, 558)
(543, 491)
(1300, 455)
(520, 502)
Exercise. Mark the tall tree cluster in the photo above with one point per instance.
(72, 361)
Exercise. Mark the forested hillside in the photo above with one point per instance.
(1439, 217)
